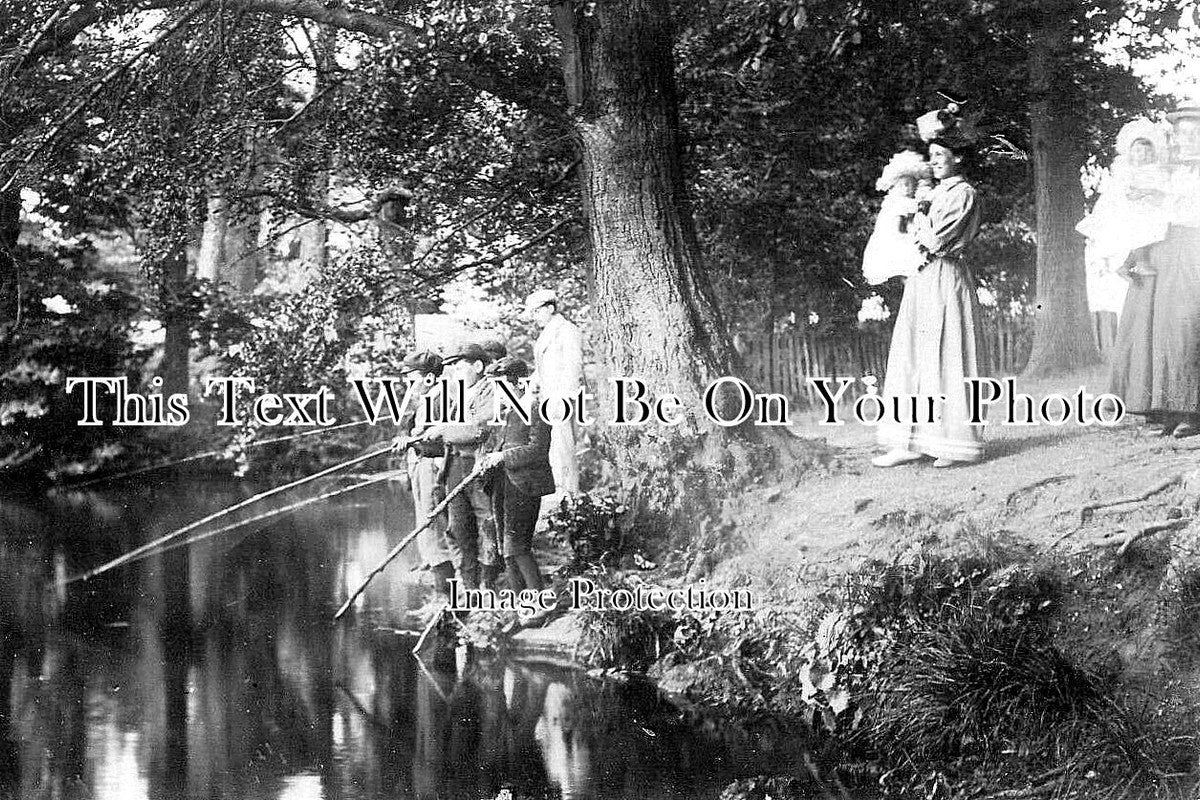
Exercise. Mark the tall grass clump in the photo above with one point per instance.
(979, 699)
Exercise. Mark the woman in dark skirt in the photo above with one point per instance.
(1156, 358)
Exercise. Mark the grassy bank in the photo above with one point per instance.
(998, 630)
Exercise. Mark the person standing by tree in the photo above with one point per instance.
(558, 360)
(933, 345)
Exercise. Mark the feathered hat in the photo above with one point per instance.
(948, 127)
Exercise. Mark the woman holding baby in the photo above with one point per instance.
(933, 347)
(1156, 357)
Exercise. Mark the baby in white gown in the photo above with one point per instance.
(1131, 212)
(891, 250)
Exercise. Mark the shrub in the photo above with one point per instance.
(977, 692)
(629, 640)
(589, 526)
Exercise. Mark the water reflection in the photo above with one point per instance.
(215, 672)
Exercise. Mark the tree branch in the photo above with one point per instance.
(99, 86)
(489, 209)
(300, 112)
(380, 26)
(21, 58)
(61, 34)
(505, 255)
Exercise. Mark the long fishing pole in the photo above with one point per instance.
(258, 518)
(157, 543)
(395, 551)
(210, 454)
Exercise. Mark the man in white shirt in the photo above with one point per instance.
(558, 364)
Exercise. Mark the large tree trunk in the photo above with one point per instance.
(656, 315)
(1063, 338)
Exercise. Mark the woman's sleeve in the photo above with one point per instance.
(950, 217)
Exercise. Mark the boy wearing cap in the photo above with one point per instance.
(520, 453)
(558, 364)
(472, 533)
(425, 461)
(495, 348)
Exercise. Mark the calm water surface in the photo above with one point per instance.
(214, 671)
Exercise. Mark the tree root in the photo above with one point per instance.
(1127, 541)
(1149, 530)
(1008, 501)
(1087, 511)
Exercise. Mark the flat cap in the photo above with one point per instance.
(423, 361)
(469, 352)
(495, 348)
(509, 367)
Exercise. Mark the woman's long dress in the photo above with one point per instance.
(1175, 347)
(933, 347)
(1131, 371)
(1156, 358)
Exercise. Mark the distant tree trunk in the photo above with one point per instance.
(652, 299)
(172, 285)
(314, 237)
(229, 246)
(1062, 338)
(212, 240)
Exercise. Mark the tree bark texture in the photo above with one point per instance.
(172, 286)
(1063, 338)
(653, 303)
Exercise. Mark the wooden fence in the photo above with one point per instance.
(784, 363)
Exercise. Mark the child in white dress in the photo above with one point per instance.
(891, 250)
(1131, 212)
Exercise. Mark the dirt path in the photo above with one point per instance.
(1030, 490)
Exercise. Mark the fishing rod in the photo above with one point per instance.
(260, 517)
(160, 541)
(395, 551)
(209, 454)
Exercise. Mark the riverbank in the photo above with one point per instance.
(857, 569)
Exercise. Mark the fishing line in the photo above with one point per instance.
(209, 454)
(160, 541)
(265, 515)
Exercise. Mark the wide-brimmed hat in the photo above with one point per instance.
(469, 352)
(947, 128)
(933, 124)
